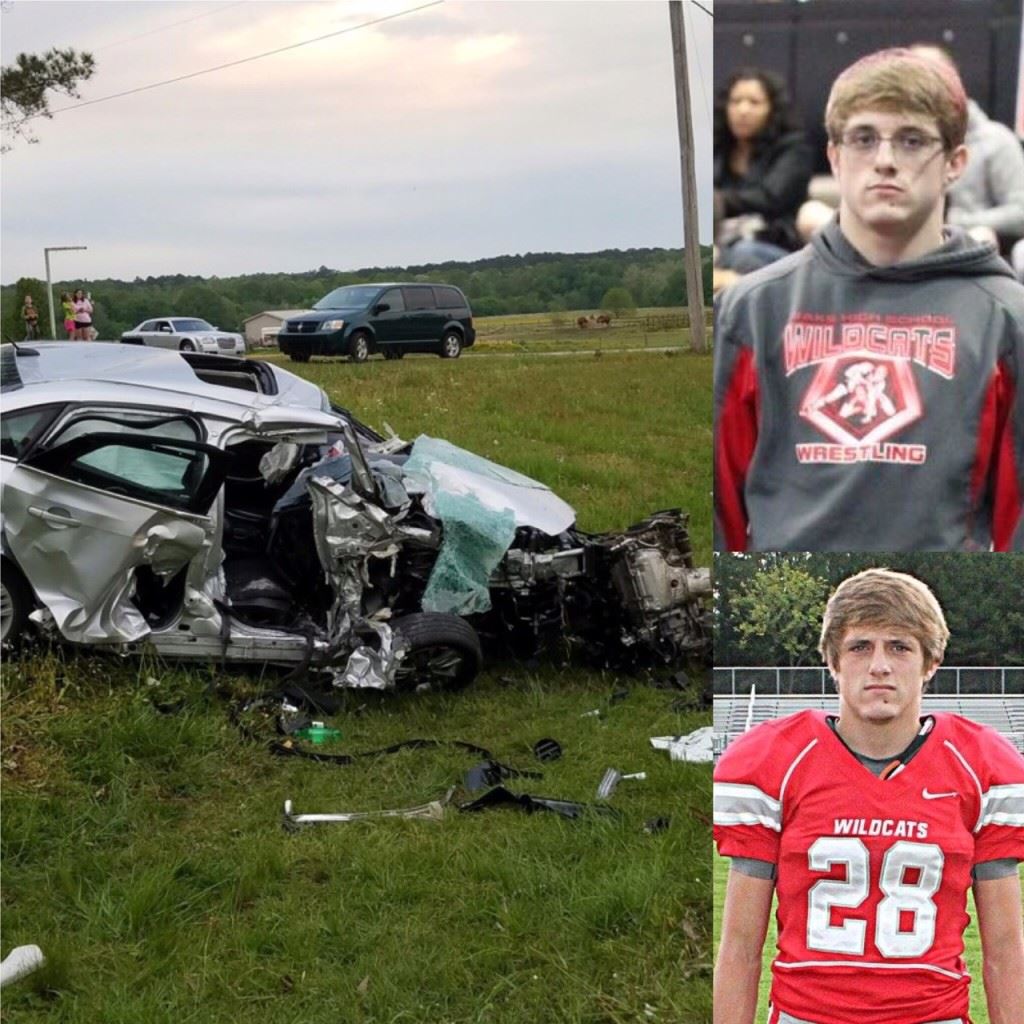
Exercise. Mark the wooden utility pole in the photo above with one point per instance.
(691, 234)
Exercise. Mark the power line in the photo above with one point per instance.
(233, 63)
(164, 28)
(704, 9)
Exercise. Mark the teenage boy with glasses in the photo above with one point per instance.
(869, 390)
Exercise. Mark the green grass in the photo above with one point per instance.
(972, 948)
(144, 853)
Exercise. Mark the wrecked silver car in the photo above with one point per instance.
(221, 508)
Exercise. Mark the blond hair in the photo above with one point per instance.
(882, 597)
(900, 81)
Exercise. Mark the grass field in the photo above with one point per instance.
(972, 948)
(546, 332)
(143, 850)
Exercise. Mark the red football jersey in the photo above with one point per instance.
(872, 874)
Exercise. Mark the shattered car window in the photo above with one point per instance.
(161, 475)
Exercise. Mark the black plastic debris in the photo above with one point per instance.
(547, 749)
(491, 773)
(500, 796)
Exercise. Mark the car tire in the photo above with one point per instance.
(451, 345)
(187, 346)
(359, 348)
(299, 356)
(443, 652)
(15, 603)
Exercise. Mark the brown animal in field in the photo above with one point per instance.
(605, 319)
(582, 322)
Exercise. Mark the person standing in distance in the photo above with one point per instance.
(870, 826)
(928, 454)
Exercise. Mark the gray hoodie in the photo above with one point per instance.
(864, 408)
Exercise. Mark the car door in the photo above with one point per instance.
(82, 513)
(162, 335)
(423, 320)
(388, 325)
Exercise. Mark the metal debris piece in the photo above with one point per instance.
(524, 801)
(434, 811)
(693, 746)
(611, 779)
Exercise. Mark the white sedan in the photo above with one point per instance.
(185, 334)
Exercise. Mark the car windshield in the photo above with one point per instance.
(192, 325)
(352, 296)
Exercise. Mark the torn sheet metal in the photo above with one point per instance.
(694, 746)
(373, 668)
(433, 811)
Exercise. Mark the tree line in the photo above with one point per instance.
(531, 283)
(768, 607)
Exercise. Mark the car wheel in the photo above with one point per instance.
(451, 345)
(359, 348)
(15, 604)
(187, 346)
(443, 652)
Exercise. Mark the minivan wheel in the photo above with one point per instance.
(359, 348)
(443, 652)
(187, 346)
(451, 345)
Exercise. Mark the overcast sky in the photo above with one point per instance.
(457, 131)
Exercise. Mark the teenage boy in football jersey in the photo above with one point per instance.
(870, 826)
(869, 389)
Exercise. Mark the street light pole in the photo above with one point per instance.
(49, 287)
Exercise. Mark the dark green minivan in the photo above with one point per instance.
(360, 319)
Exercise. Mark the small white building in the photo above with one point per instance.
(261, 328)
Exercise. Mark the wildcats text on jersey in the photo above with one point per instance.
(880, 827)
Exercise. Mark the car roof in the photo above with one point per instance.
(108, 371)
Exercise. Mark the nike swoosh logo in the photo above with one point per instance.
(935, 796)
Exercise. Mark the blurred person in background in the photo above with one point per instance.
(988, 199)
(30, 315)
(83, 315)
(68, 312)
(762, 164)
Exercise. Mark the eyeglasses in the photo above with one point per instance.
(908, 143)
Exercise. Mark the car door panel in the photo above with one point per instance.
(79, 544)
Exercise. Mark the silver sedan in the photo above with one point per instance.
(185, 334)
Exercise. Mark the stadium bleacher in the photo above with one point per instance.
(730, 719)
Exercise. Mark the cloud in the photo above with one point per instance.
(463, 131)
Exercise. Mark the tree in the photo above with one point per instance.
(25, 83)
(618, 301)
(779, 613)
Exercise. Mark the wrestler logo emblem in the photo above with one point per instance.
(856, 400)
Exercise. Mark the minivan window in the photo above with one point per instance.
(393, 298)
(449, 298)
(352, 296)
(419, 298)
